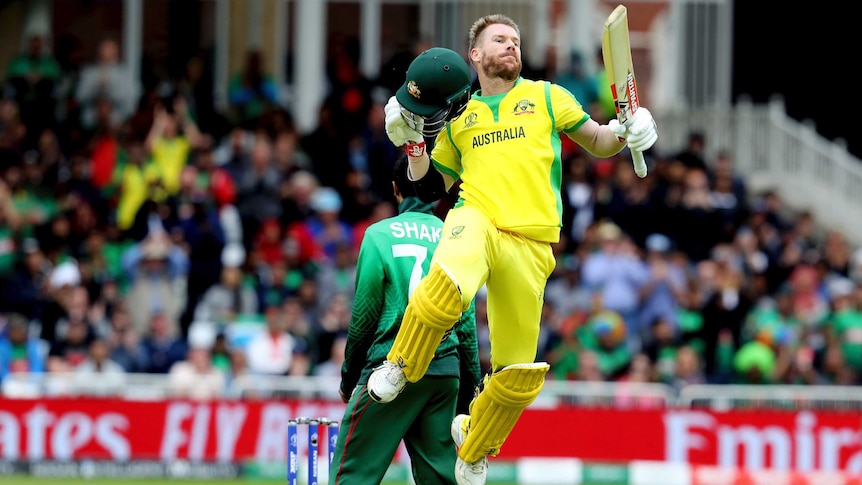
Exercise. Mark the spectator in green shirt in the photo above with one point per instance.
(565, 348)
(846, 331)
(754, 363)
(8, 224)
(605, 334)
(251, 91)
(34, 205)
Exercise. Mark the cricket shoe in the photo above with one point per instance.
(467, 473)
(386, 382)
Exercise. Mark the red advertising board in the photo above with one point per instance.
(119, 430)
(748, 439)
(232, 431)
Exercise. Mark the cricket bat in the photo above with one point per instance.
(617, 55)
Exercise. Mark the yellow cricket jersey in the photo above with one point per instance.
(506, 151)
(172, 155)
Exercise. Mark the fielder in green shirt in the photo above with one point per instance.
(394, 256)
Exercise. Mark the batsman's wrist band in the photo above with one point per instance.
(415, 149)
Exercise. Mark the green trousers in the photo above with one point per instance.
(370, 433)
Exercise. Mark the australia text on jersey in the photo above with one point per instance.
(498, 135)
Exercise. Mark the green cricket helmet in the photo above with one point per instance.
(437, 89)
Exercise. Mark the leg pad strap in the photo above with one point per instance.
(434, 308)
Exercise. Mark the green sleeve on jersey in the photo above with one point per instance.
(576, 126)
(445, 156)
(367, 308)
(451, 141)
(446, 170)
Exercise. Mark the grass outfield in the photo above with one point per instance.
(27, 480)
(24, 480)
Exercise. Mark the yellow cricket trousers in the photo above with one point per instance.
(515, 270)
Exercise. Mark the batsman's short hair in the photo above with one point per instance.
(482, 23)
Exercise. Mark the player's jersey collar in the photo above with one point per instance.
(478, 93)
(414, 204)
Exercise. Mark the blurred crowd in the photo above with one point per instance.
(145, 230)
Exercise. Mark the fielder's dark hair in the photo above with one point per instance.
(430, 188)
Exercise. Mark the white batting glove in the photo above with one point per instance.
(640, 132)
(396, 127)
(620, 130)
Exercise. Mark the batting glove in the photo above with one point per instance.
(396, 126)
(642, 131)
(620, 130)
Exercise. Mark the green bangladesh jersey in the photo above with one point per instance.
(847, 326)
(394, 256)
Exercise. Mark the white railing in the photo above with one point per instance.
(157, 386)
(726, 397)
(606, 394)
(62, 384)
(135, 386)
(620, 395)
(774, 151)
(603, 394)
(265, 387)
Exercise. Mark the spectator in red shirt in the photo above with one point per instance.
(268, 243)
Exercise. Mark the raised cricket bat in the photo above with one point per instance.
(617, 55)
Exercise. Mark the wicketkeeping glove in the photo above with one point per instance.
(396, 127)
(640, 132)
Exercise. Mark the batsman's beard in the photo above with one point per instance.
(497, 67)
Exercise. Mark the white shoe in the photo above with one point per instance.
(386, 382)
(467, 473)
